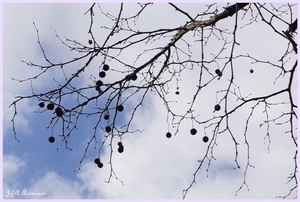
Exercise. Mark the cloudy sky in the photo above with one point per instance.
(152, 166)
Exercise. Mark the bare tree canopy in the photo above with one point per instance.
(221, 82)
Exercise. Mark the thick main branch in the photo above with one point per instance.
(229, 11)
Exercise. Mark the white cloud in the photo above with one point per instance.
(49, 183)
(13, 167)
(57, 187)
(153, 166)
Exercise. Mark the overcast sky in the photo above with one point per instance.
(152, 166)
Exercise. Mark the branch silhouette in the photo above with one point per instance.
(154, 69)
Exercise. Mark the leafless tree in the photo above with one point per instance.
(157, 66)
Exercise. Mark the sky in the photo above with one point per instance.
(152, 166)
